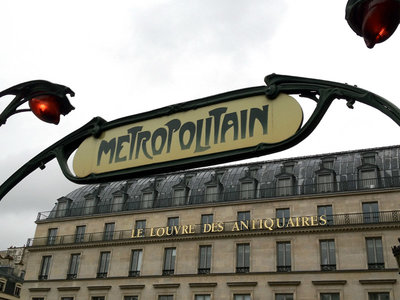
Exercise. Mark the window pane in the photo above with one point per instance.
(211, 194)
(131, 298)
(202, 297)
(52, 235)
(73, 266)
(283, 296)
(103, 264)
(109, 231)
(330, 296)
(136, 263)
(242, 297)
(147, 200)
(247, 190)
(326, 210)
(80, 234)
(375, 253)
(370, 212)
(284, 186)
(378, 296)
(117, 203)
(179, 197)
(325, 183)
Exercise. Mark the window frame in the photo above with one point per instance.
(104, 264)
(243, 258)
(135, 262)
(286, 259)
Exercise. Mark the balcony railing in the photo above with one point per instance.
(264, 191)
(284, 268)
(203, 271)
(230, 226)
(331, 267)
(134, 273)
(168, 272)
(376, 266)
(242, 269)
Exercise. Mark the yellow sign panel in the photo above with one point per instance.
(207, 130)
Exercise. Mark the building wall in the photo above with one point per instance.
(352, 278)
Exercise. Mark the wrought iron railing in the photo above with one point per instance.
(267, 224)
(224, 195)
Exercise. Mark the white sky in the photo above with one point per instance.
(126, 57)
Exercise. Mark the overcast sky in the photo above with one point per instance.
(126, 57)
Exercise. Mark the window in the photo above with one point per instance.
(368, 178)
(169, 261)
(80, 234)
(378, 296)
(173, 221)
(2, 285)
(375, 253)
(325, 183)
(166, 297)
(136, 263)
(206, 219)
(61, 208)
(117, 203)
(204, 260)
(45, 268)
(326, 210)
(202, 297)
(90, 204)
(242, 258)
(370, 212)
(67, 298)
(131, 298)
(283, 257)
(282, 217)
(108, 231)
(179, 197)
(330, 296)
(147, 200)
(247, 190)
(37, 298)
(283, 296)
(241, 297)
(243, 218)
(98, 298)
(211, 193)
(52, 235)
(284, 186)
(328, 258)
(73, 266)
(103, 264)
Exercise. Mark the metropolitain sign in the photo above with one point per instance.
(201, 132)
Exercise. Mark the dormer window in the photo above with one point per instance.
(180, 191)
(248, 184)
(117, 202)
(211, 193)
(284, 186)
(90, 204)
(63, 205)
(147, 199)
(179, 197)
(213, 188)
(368, 171)
(247, 190)
(326, 176)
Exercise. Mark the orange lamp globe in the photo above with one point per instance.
(374, 20)
(46, 108)
(380, 21)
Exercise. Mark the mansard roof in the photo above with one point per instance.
(345, 166)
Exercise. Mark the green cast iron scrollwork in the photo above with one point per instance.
(321, 91)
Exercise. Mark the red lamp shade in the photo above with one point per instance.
(380, 21)
(46, 108)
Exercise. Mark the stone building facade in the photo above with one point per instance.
(315, 227)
